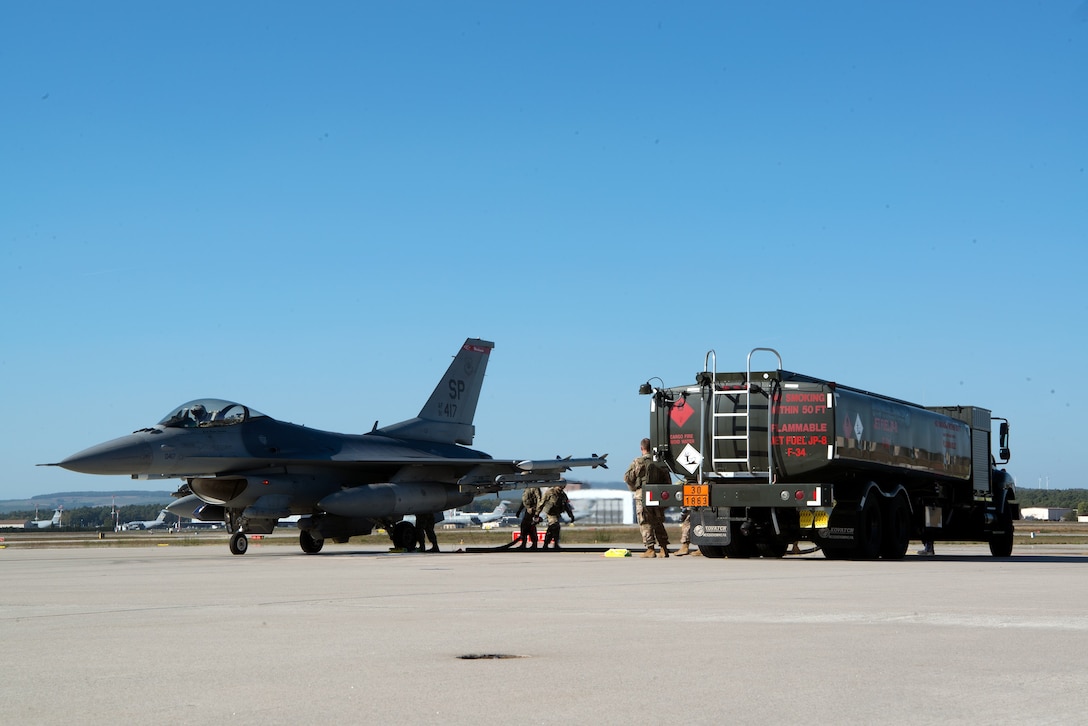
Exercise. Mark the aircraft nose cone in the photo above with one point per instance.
(126, 455)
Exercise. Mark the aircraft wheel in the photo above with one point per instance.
(239, 543)
(404, 536)
(309, 544)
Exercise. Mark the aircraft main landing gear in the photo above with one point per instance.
(239, 543)
(309, 544)
(404, 536)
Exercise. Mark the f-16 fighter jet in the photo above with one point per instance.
(250, 470)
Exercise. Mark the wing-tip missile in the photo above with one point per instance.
(560, 464)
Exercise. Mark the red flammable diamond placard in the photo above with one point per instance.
(680, 413)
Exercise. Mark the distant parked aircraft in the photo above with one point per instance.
(467, 519)
(45, 523)
(158, 523)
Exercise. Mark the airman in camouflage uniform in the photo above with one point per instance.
(651, 520)
(555, 503)
(530, 502)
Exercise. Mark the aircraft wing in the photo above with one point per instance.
(477, 476)
(471, 476)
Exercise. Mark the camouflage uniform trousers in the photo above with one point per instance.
(551, 534)
(528, 535)
(651, 522)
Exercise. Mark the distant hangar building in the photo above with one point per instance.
(1046, 514)
(602, 506)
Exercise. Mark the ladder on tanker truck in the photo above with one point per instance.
(733, 419)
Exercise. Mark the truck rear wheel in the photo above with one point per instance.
(776, 548)
(896, 530)
(740, 544)
(869, 530)
(837, 553)
(714, 552)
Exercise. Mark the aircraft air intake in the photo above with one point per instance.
(218, 491)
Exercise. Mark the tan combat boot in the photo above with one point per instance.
(684, 550)
(649, 553)
(663, 552)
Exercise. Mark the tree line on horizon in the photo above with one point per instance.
(1054, 499)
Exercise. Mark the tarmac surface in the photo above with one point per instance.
(183, 635)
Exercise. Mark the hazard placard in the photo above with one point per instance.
(696, 495)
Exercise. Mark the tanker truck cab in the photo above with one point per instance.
(771, 458)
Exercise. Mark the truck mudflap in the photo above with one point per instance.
(711, 528)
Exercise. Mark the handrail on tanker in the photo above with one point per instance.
(770, 410)
(710, 354)
(748, 373)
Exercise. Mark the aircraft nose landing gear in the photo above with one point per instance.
(239, 543)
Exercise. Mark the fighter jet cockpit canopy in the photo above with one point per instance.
(208, 412)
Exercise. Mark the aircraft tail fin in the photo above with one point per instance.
(447, 416)
(56, 516)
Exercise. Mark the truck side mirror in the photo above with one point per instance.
(1003, 440)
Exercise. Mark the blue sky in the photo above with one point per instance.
(308, 209)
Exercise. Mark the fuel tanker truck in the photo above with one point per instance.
(772, 458)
